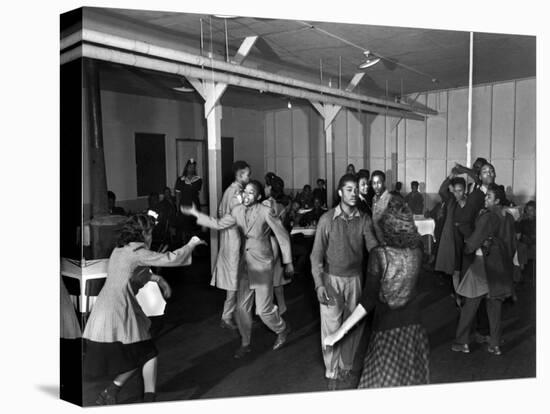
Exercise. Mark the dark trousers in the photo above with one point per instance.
(467, 317)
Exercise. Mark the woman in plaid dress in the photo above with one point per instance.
(398, 350)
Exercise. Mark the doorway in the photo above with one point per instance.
(150, 163)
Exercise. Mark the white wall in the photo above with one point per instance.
(124, 115)
(503, 131)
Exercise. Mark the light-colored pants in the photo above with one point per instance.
(265, 308)
(229, 305)
(280, 298)
(345, 293)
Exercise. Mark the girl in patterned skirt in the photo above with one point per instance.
(116, 338)
(398, 350)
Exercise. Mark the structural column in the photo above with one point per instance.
(213, 121)
(98, 176)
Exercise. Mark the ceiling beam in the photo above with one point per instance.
(87, 35)
(125, 58)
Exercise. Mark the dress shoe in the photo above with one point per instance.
(460, 348)
(228, 324)
(109, 395)
(242, 352)
(149, 397)
(282, 338)
(495, 350)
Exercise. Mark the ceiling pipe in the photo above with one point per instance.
(126, 58)
(118, 42)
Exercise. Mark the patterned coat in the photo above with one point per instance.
(255, 224)
(226, 269)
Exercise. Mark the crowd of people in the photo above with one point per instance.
(365, 258)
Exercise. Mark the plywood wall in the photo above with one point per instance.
(503, 131)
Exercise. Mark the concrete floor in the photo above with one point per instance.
(195, 354)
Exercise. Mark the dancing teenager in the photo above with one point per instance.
(488, 267)
(117, 337)
(398, 350)
(343, 233)
(227, 263)
(255, 222)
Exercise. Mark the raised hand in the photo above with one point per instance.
(195, 241)
(189, 211)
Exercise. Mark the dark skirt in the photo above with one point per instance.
(396, 357)
(113, 358)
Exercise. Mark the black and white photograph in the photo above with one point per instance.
(271, 205)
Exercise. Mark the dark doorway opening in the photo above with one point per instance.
(150, 163)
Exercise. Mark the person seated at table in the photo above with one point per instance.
(305, 197)
(526, 229)
(293, 216)
(321, 191)
(111, 205)
(312, 217)
(117, 340)
(414, 199)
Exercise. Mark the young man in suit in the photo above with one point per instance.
(337, 263)
(255, 222)
(226, 270)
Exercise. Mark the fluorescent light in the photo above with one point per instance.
(224, 16)
(184, 89)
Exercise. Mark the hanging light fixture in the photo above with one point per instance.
(185, 87)
(370, 60)
(289, 104)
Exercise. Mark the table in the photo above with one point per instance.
(84, 271)
(306, 231)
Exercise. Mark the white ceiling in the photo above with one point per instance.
(413, 60)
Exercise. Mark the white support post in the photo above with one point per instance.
(329, 163)
(214, 131)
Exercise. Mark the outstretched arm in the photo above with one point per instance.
(211, 222)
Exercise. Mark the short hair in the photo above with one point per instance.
(480, 161)
(346, 178)
(307, 186)
(363, 174)
(458, 180)
(239, 165)
(269, 178)
(320, 180)
(499, 192)
(111, 195)
(378, 173)
(531, 203)
(398, 184)
(133, 229)
(259, 188)
(414, 184)
(484, 165)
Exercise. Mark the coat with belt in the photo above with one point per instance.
(224, 275)
(255, 227)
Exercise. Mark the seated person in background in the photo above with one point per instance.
(414, 199)
(397, 189)
(526, 229)
(305, 197)
(312, 217)
(111, 205)
(321, 191)
(292, 218)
